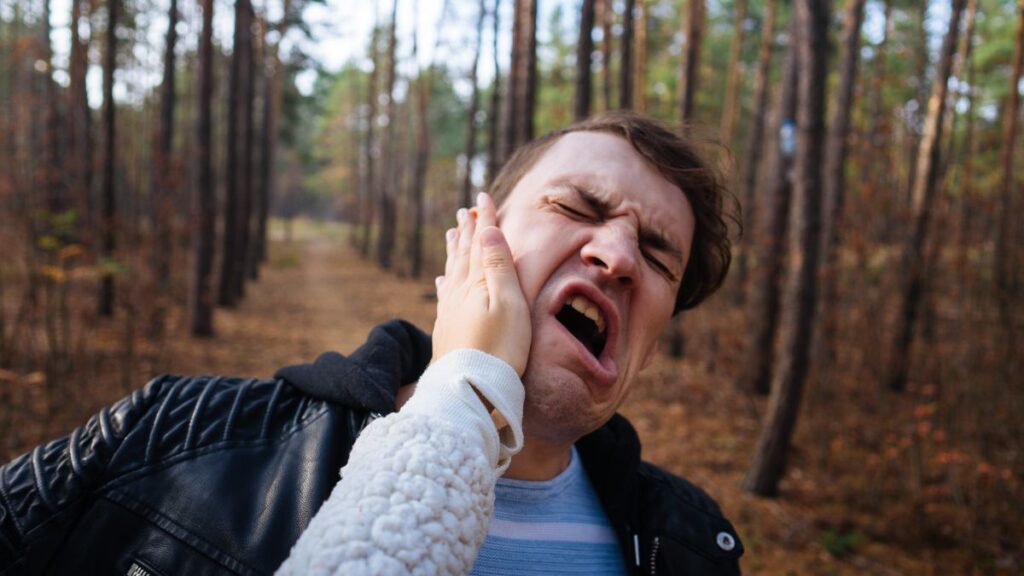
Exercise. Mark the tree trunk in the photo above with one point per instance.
(386, 210)
(732, 87)
(837, 148)
(370, 183)
(163, 183)
(425, 87)
(921, 79)
(763, 303)
(259, 69)
(755, 145)
(81, 168)
(606, 13)
(228, 295)
(53, 182)
(246, 164)
(1005, 269)
(584, 50)
(769, 461)
(204, 235)
(640, 64)
(689, 79)
(923, 199)
(109, 229)
(626, 57)
(420, 172)
(522, 76)
(271, 113)
(474, 107)
(690, 73)
(494, 154)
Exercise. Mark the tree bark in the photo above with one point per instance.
(923, 200)
(1005, 268)
(732, 87)
(245, 199)
(769, 461)
(203, 237)
(755, 145)
(271, 113)
(260, 186)
(584, 50)
(762, 306)
(386, 196)
(228, 295)
(420, 172)
(606, 13)
(494, 154)
(474, 107)
(80, 124)
(370, 182)
(640, 64)
(522, 76)
(163, 183)
(690, 72)
(109, 215)
(626, 57)
(837, 148)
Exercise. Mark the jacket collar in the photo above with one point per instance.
(396, 353)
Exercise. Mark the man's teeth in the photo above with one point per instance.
(590, 310)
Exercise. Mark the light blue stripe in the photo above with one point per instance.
(552, 527)
(553, 532)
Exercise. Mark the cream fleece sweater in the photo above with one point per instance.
(417, 494)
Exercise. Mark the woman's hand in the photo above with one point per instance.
(480, 304)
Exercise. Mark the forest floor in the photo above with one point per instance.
(316, 294)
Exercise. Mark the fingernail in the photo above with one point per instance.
(449, 236)
(438, 281)
(474, 213)
(481, 198)
(460, 215)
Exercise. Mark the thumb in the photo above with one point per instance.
(499, 269)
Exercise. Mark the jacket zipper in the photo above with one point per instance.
(654, 555)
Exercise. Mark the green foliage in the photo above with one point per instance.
(840, 543)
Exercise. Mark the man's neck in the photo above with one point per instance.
(539, 460)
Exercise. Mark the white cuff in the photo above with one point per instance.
(446, 391)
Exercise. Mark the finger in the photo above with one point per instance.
(487, 212)
(467, 226)
(499, 268)
(451, 237)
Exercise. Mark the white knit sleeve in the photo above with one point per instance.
(417, 493)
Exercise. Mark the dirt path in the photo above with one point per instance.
(315, 295)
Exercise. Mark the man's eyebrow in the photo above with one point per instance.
(652, 238)
(660, 242)
(596, 203)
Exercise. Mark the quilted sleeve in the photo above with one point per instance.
(417, 494)
(42, 492)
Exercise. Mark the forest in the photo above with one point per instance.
(208, 187)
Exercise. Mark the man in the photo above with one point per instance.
(612, 226)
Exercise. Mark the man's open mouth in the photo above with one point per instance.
(585, 320)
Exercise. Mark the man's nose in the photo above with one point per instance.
(613, 249)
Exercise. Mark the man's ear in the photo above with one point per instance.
(651, 353)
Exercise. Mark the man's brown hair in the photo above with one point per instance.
(681, 163)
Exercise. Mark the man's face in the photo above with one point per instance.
(600, 240)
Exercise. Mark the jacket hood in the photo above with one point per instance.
(395, 354)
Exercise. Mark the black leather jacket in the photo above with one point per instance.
(212, 475)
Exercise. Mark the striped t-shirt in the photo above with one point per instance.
(554, 526)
